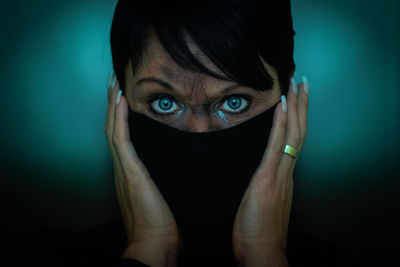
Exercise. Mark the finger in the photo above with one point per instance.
(109, 125)
(274, 150)
(111, 84)
(293, 135)
(141, 192)
(113, 88)
(130, 162)
(302, 107)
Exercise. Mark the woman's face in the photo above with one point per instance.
(189, 101)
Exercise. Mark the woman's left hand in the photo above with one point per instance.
(261, 223)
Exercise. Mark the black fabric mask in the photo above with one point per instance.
(202, 177)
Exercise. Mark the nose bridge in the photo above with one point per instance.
(198, 123)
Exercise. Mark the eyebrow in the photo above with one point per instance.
(171, 88)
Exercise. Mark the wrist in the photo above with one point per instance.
(153, 253)
(262, 258)
(264, 261)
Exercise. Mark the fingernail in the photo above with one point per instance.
(110, 80)
(305, 81)
(294, 85)
(113, 82)
(118, 97)
(284, 105)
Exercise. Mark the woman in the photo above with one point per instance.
(194, 79)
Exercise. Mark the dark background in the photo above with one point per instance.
(56, 169)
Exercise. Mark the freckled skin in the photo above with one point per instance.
(197, 116)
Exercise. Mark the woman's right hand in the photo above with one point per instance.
(153, 235)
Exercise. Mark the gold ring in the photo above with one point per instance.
(291, 151)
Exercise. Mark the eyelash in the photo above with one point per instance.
(154, 97)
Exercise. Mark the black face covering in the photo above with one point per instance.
(202, 177)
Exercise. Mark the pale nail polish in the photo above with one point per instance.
(110, 80)
(305, 81)
(294, 85)
(113, 82)
(118, 97)
(284, 105)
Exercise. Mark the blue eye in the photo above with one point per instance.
(163, 105)
(235, 104)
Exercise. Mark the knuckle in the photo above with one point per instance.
(305, 101)
(277, 148)
(303, 137)
(295, 140)
(108, 134)
(115, 140)
(109, 94)
(107, 129)
(283, 120)
(295, 136)
(306, 105)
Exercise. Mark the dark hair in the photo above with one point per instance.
(233, 34)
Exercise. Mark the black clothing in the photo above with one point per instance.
(131, 263)
(202, 177)
(104, 244)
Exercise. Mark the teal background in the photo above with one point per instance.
(56, 168)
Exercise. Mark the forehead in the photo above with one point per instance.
(156, 62)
